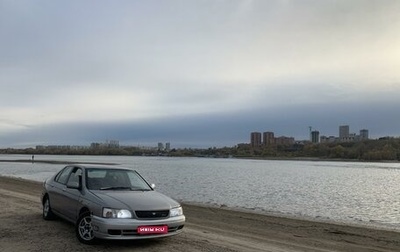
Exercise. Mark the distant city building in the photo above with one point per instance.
(162, 147)
(330, 139)
(344, 133)
(268, 138)
(352, 138)
(364, 135)
(106, 144)
(255, 139)
(112, 143)
(95, 145)
(346, 136)
(315, 136)
(79, 147)
(53, 147)
(284, 140)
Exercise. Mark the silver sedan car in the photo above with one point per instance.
(110, 203)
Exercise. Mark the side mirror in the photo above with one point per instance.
(153, 186)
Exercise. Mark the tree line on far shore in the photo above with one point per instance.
(370, 150)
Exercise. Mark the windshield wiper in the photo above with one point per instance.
(116, 188)
(142, 190)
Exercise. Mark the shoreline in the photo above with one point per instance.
(316, 159)
(362, 224)
(207, 229)
(322, 220)
(28, 182)
(312, 159)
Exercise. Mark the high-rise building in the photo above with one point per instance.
(344, 132)
(168, 146)
(268, 138)
(364, 135)
(315, 136)
(255, 139)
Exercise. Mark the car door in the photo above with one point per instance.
(57, 189)
(72, 195)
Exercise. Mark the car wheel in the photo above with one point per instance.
(47, 212)
(84, 230)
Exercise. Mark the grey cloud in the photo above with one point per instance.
(216, 70)
(220, 129)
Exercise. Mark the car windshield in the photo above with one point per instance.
(115, 179)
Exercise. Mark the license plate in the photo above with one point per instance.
(152, 230)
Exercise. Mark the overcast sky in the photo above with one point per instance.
(196, 73)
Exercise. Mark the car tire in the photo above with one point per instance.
(84, 230)
(47, 212)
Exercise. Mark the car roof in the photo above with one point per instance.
(100, 166)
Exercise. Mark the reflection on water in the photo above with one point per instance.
(364, 193)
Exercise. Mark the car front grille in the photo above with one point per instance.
(152, 214)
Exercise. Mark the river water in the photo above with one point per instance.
(346, 192)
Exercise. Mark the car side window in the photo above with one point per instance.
(74, 178)
(64, 174)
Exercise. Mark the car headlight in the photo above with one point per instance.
(176, 212)
(116, 213)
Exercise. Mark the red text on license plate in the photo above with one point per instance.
(152, 229)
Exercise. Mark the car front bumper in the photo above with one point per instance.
(126, 229)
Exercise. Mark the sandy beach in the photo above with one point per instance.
(207, 229)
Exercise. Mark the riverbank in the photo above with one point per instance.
(207, 229)
(244, 158)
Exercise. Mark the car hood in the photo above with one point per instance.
(136, 200)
